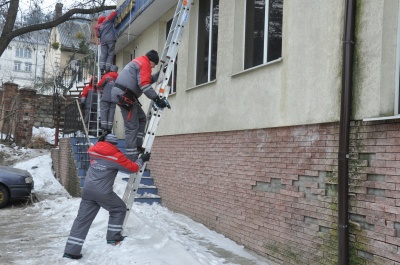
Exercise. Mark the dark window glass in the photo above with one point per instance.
(207, 41)
(275, 29)
(257, 42)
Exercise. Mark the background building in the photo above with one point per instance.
(23, 61)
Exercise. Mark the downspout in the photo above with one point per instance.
(344, 133)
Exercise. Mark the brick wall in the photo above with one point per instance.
(26, 112)
(65, 168)
(275, 190)
(28, 108)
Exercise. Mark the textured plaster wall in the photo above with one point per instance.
(302, 88)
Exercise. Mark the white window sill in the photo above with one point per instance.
(383, 118)
(256, 67)
(204, 84)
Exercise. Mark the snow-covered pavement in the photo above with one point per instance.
(36, 234)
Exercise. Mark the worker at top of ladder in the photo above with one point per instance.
(134, 80)
(107, 33)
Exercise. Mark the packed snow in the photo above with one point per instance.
(155, 235)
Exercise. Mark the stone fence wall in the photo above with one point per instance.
(21, 109)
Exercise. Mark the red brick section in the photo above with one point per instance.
(65, 167)
(275, 190)
(8, 106)
(25, 116)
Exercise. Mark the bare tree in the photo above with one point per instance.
(9, 11)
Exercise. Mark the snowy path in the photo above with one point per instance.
(37, 234)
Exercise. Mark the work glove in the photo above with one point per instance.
(161, 102)
(82, 106)
(145, 157)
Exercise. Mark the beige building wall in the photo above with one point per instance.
(302, 87)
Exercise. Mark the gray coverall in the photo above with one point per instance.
(106, 159)
(107, 107)
(108, 36)
(136, 76)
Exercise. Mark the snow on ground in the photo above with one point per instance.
(156, 236)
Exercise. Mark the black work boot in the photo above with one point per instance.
(116, 241)
(72, 256)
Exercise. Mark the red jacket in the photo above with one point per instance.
(105, 162)
(106, 77)
(87, 92)
(145, 70)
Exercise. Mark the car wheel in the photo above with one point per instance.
(4, 196)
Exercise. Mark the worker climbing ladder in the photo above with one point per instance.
(93, 122)
(168, 57)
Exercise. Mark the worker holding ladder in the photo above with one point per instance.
(134, 80)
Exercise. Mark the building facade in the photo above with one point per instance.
(250, 147)
(23, 61)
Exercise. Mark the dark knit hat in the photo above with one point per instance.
(112, 139)
(153, 56)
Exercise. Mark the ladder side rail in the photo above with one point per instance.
(137, 179)
(131, 198)
(151, 131)
(179, 29)
(172, 28)
(98, 91)
(128, 187)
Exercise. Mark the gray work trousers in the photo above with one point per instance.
(107, 112)
(107, 55)
(134, 129)
(88, 210)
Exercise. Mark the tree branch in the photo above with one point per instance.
(56, 22)
(5, 3)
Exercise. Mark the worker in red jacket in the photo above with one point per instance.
(107, 107)
(107, 33)
(105, 161)
(89, 104)
(134, 80)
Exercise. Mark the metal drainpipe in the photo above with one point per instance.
(344, 132)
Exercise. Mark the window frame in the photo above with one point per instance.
(28, 65)
(27, 53)
(266, 45)
(211, 76)
(19, 52)
(17, 64)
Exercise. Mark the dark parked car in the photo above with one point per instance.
(14, 184)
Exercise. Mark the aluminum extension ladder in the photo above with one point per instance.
(167, 59)
(93, 127)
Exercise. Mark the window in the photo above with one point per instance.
(28, 67)
(27, 53)
(19, 52)
(23, 52)
(17, 66)
(263, 36)
(172, 80)
(207, 41)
